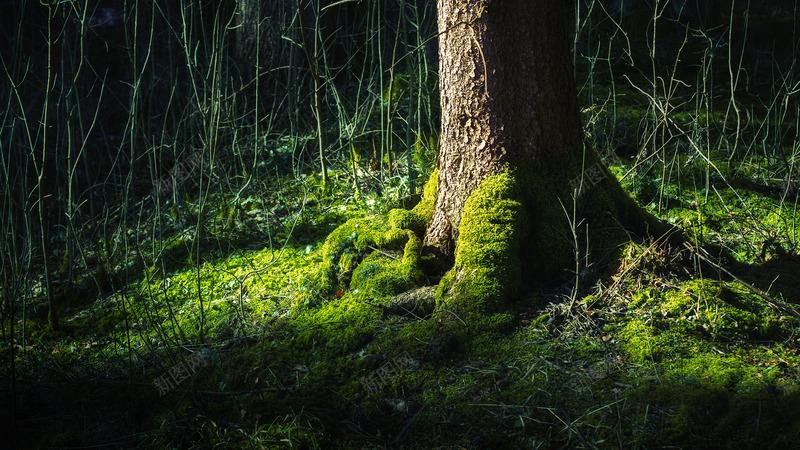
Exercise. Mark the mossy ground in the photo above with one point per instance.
(305, 353)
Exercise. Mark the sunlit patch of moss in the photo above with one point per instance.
(721, 372)
(487, 265)
(644, 343)
(690, 319)
(424, 209)
(364, 255)
(343, 250)
(380, 275)
(408, 220)
(725, 311)
(343, 326)
(362, 263)
(229, 298)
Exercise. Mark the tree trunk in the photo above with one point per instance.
(518, 198)
(525, 108)
(253, 39)
(257, 50)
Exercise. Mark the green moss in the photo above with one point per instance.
(424, 209)
(403, 219)
(381, 276)
(641, 342)
(721, 372)
(487, 257)
(363, 256)
(696, 316)
(724, 311)
(342, 326)
(343, 250)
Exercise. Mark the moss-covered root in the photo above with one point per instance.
(360, 257)
(487, 257)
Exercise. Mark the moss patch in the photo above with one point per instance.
(424, 209)
(691, 319)
(487, 258)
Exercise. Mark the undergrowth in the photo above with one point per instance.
(659, 351)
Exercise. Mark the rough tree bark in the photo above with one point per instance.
(524, 108)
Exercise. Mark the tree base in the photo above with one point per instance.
(520, 230)
(529, 227)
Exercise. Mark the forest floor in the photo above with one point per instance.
(222, 341)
